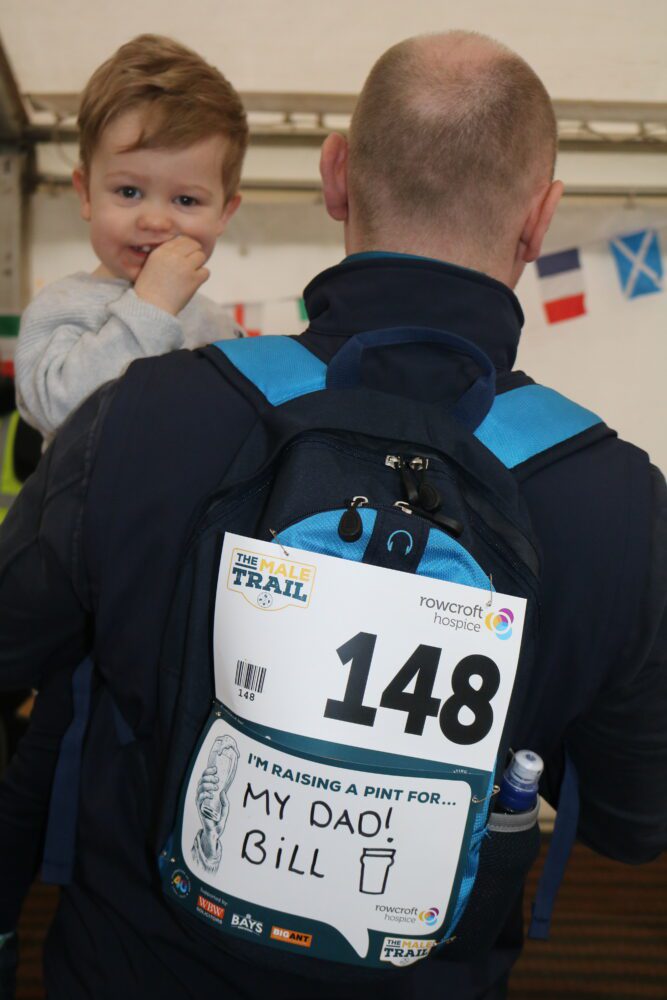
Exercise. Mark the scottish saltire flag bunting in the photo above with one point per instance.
(249, 315)
(562, 285)
(638, 262)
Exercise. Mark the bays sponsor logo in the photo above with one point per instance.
(270, 583)
(405, 951)
(247, 923)
(286, 936)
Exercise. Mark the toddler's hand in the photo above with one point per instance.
(172, 274)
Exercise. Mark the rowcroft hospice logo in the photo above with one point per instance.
(500, 623)
(270, 583)
(430, 917)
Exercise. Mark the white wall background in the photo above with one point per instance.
(612, 360)
(599, 49)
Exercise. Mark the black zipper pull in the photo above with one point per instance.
(429, 498)
(410, 488)
(350, 526)
(450, 524)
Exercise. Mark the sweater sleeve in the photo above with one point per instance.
(61, 359)
(205, 322)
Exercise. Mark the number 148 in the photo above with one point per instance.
(419, 703)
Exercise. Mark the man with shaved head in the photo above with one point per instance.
(451, 155)
(445, 188)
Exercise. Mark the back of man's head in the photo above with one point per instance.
(451, 136)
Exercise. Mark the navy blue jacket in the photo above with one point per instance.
(88, 560)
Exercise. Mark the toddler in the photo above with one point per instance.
(163, 136)
(162, 140)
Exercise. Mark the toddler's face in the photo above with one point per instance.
(137, 200)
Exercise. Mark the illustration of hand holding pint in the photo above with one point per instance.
(375, 865)
(212, 802)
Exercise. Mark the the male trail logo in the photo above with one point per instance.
(270, 583)
(212, 802)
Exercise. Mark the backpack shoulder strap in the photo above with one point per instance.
(527, 427)
(533, 425)
(279, 367)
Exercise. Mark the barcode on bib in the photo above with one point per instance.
(249, 676)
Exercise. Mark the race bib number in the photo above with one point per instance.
(357, 705)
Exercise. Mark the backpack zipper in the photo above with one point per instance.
(350, 526)
(422, 497)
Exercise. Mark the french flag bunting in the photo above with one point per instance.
(249, 315)
(562, 285)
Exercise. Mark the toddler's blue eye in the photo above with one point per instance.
(186, 200)
(129, 192)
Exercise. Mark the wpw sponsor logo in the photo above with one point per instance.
(212, 909)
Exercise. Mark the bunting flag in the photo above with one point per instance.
(562, 285)
(249, 315)
(638, 262)
(9, 329)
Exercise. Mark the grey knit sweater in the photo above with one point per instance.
(83, 331)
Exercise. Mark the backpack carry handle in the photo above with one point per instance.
(344, 369)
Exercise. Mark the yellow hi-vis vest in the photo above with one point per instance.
(9, 484)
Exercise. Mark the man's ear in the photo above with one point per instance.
(80, 183)
(333, 170)
(538, 222)
(227, 213)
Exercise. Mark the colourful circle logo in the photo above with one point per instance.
(429, 916)
(180, 883)
(500, 623)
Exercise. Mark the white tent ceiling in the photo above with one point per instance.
(607, 51)
(603, 62)
(596, 49)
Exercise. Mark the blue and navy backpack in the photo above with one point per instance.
(288, 824)
(337, 656)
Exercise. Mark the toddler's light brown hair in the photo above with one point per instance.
(186, 100)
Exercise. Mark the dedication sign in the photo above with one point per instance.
(331, 800)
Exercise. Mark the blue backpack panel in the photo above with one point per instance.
(350, 472)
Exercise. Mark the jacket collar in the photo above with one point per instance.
(372, 291)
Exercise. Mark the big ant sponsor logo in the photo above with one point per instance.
(286, 936)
